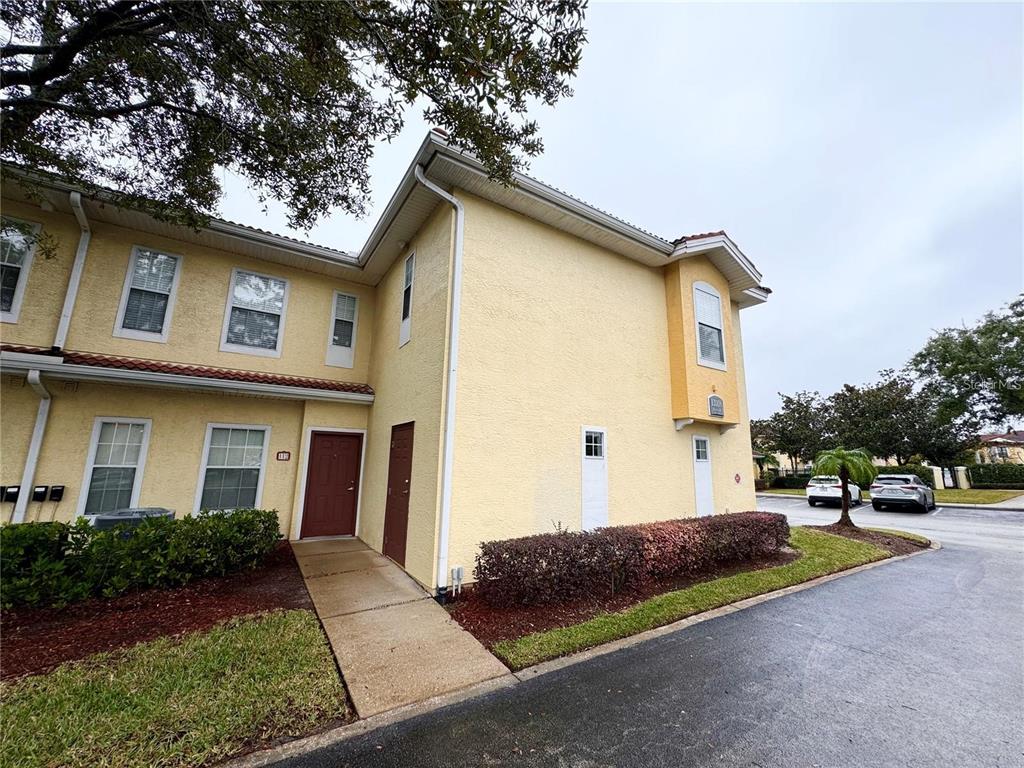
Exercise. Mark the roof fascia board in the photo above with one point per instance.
(704, 244)
(15, 362)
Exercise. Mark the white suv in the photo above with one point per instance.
(901, 491)
(828, 490)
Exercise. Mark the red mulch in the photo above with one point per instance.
(894, 545)
(491, 625)
(37, 640)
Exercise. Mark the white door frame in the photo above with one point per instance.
(593, 481)
(300, 505)
(708, 497)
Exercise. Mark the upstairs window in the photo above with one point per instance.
(405, 330)
(707, 306)
(254, 320)
(593, 444)
(148, 297)
(340, 349)
(17, 246)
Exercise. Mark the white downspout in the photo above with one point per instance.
(29, 475)
(76, 272)
(453, 361)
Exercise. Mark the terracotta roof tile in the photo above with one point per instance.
(199, 371)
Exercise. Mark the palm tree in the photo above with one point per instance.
(848, 465)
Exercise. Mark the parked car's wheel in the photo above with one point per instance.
(923, 508)
(878, 507)
(812, 502)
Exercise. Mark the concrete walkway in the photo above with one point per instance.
(394, 644)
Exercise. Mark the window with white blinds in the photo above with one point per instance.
(148, 298)
(342, 343)
(233, 465)
(117, 457)
(405, 328)
(17, 246)
(710, 338)
(254, 321)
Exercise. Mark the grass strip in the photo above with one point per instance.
(974, 496)
(176, 702)
(914, 537)
(822, 554)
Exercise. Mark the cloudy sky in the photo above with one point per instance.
(868, 158)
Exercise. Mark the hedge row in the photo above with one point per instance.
(790, 481)
(57, 563)
(997, 475)
(998, 486)
(554, 567)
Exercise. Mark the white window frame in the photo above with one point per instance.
(210, 426)
(131, 333)
(701, 360)
(405, 328)
(140, 467)
(604, 443)
(342, 357)
(12, 315)
(242, 349)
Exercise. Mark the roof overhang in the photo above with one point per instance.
(406, 212)
(55, 367)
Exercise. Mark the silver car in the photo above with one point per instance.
(901, 491)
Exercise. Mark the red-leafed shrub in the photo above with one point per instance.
(554, 567)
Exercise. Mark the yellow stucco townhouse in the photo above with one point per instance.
(496, 361)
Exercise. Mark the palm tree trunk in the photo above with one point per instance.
(844, 480)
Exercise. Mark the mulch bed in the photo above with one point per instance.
(491, 625)
(895, 545)
(38, 639)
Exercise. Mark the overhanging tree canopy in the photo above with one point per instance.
(152, 98)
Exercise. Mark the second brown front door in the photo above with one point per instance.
(396, 510)
(332, 484)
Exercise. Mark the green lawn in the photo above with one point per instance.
(787, 491)
(974, 496)
(822, 554)
(183, 702)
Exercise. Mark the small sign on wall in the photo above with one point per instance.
(284, 455)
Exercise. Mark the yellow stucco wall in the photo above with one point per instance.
(47, 277)
(408, 384)
(198, 315)
(558, 333)
(693, 383)
(179, 421)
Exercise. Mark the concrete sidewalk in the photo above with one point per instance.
(394, 644)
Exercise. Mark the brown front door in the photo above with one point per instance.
(332, 484)
(396, 511)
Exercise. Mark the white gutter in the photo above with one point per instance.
(28, 476)
(450, 388)
(76, 272)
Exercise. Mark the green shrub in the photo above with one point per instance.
(998, 486)
(997, 475)
(790, 481)
(57, 563)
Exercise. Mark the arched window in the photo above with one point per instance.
(707, 307)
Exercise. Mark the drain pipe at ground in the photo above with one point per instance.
(76, 272)
(450, 389)
(35, 443)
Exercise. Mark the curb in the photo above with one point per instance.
(341, 733)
